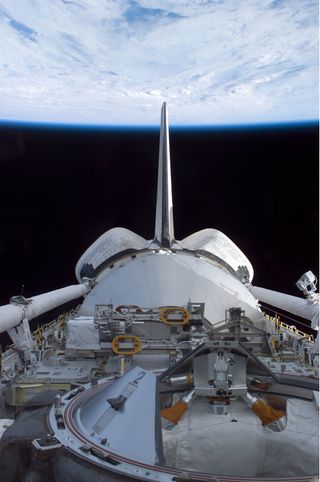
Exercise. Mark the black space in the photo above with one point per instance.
(63, 188)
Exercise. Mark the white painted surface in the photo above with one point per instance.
(218, 244)
(159, 279)
(108, 244)
(293, 304)
(82, 333)
(12, 315)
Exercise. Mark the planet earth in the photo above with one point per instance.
(113, 62)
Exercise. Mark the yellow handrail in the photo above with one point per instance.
(292, 328)
(38, 334)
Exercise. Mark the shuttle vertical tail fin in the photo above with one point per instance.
(164, 231)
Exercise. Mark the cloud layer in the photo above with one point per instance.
(115, 62)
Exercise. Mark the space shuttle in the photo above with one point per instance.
(169, 369)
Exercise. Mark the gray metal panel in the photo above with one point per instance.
(131, 430)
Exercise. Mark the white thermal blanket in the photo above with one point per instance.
(215, 444)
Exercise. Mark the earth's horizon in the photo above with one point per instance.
(29, 125)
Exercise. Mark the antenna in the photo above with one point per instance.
(164, 230)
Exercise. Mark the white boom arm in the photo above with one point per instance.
(308, 309)
(13, 314)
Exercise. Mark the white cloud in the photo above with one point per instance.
(94, 62)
